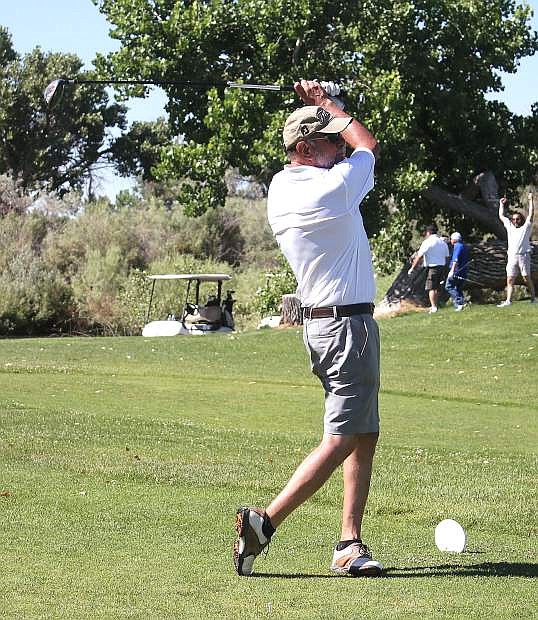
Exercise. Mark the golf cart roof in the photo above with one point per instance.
(202, 277)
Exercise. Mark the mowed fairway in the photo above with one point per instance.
(122, 461)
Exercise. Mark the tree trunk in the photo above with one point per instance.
(486, 270)
(486, 216)
(291, 311)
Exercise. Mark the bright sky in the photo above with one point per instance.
(76, 26)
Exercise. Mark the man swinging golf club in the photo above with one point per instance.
(313, 210)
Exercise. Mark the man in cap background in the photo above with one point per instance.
(313, 209)
(458, 271)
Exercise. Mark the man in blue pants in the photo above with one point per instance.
(458, 271)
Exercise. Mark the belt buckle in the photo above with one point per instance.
(307, 312)
(335, 312)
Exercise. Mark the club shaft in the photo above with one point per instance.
(187, 84)
(469, 280)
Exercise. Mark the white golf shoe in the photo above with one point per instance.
(355, 559)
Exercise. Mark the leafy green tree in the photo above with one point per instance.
(415, 72)
(137, 152)
(7, 53)
(51, 150)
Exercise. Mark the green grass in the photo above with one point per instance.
(122, 461)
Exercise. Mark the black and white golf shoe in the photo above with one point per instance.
(251, 540)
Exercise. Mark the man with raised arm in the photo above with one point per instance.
(313, 209)
(518, 262)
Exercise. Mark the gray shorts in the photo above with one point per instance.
(344, 355)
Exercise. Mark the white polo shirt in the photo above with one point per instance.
(434, 251)
(314, 214)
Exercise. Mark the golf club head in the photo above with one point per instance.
(54, 92)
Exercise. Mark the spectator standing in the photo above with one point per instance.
(519, 249)
(457, 272)
(433, 252)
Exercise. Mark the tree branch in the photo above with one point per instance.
(486, 216)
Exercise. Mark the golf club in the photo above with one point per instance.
(466, 279)
(54, 91)
(481, 284)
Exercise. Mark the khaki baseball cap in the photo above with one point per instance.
(310, 120)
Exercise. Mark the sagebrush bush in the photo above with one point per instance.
(12, 197)
(33, 299)
(81, 267)
(133, 301)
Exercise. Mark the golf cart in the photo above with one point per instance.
(196, 318)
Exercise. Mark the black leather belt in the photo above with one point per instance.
(336, 311)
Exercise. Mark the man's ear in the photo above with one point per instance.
(302, 148)
(304, 151)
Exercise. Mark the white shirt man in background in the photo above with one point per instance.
(434, 252)
(518, 262)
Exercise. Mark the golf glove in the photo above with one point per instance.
(331, 88)
(410, 271)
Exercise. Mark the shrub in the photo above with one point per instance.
(33, 300)
(132, 301)
(268, 298)
(12, 197)
(95, 286)
(74, 266)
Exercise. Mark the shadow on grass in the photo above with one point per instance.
(295, 576)
(486, 569)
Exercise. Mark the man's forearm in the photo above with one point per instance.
(502, 204)
(356, 134)
(414, 263)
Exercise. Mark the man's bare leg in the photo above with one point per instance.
(530, 285)
(311, 474)
(357, 475)
(434, 296)
(509, 288)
